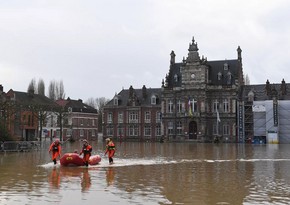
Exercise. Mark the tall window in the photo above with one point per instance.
(158, 130)
(179, 106)
(153, 100)
(110, 117)
(226, 129)
(147, 117)
(120, 117)
(170, 128)
(170, 106)
(133, 130)
(194, 105)
(215, 106)
(158, 117)
(133, 117)
(179, 127)
(120, 131)
(110, 130)
(68, 132)
(226, 105)
(147, 130)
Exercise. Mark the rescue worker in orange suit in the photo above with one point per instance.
(86, 150)
(110, 149)
(55, 150)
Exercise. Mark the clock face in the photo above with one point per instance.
(192, 75)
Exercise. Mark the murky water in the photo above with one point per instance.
(151, 173)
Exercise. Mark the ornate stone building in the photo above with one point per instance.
(199, 98)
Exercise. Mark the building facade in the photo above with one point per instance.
(199, 98)
(26, 114)
(133, 114)
(80, 121)
(264, 113)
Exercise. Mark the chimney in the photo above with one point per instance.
(283, 87)
(1, 88)
(144, 92)
(268, 87)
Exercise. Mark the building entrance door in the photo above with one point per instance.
(192, 130)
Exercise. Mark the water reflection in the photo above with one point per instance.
(86, 180)
(54, 178)
(110, 175)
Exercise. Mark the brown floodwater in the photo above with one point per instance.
(151, 173)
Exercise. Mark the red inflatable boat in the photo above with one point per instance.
(73, 159)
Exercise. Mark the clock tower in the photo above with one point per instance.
(194, 70)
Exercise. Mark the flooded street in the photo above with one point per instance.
(151, 173)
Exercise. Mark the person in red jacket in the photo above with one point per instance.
(110, 149)
(86, 150)
(55, 150)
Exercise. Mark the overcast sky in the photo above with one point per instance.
(99, 47)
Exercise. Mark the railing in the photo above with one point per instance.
(19, 146)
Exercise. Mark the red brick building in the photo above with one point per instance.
(80, 121)
(133, 114)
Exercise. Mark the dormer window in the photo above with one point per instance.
(226, 66)
(251, 96)
(153, 100)
(176, 78)
(219, 76)
(229, 78)
(116, 101)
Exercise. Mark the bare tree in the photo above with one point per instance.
(91, 102)
(56, 90)
(32, 86)
(98, 103)
(41, 87)
(51, 90)
(247, 80)
(61, 93)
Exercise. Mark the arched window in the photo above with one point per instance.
(116, 101)
(153, 100)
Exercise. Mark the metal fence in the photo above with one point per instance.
(19, 146)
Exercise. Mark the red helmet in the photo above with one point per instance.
(56, 141)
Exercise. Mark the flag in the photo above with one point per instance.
(218, 116)
(189, 107)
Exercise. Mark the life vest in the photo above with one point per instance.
(87, 149)
(111, 146)
(55, 148)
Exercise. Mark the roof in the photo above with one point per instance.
(76, 106)
(260, 91)
(215, 68)
(143, 96)
(25, 98)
